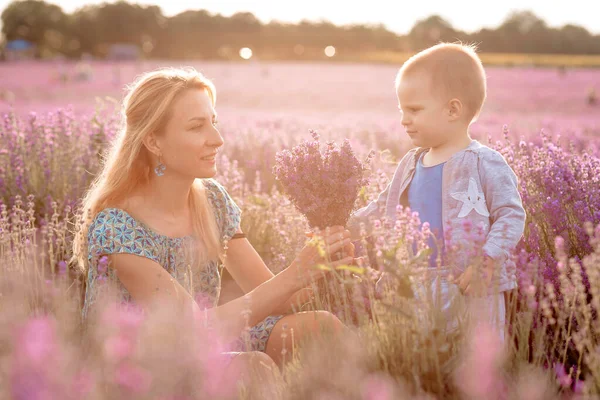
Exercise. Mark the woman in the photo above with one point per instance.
(162, 223)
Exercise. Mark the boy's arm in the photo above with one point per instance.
(376, 208)
(501, 190)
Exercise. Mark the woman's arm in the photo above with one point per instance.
(249, 271)
(149, 284)
(244, 264)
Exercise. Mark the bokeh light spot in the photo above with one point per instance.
(330, 51)
(246, 53)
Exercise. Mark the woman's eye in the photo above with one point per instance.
(215, 122)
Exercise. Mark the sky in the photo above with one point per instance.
(398, 16)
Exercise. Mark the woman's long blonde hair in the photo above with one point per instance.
(128, 164)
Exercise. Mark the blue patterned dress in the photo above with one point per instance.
(115, 231)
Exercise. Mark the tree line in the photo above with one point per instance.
(199, 34)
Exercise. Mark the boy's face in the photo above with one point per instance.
(424, 112)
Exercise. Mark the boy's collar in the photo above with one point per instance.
(420, 150)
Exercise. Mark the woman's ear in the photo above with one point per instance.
(455, 109)
(151, 144)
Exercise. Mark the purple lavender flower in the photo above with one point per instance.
(133, 378)
(322, 185)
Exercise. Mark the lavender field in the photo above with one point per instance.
(58, 117)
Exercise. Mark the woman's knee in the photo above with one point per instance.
(327, 320)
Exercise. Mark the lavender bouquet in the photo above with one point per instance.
(323, 186)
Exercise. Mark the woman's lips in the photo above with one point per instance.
(210, 157)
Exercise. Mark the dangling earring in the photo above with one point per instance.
(160, 168)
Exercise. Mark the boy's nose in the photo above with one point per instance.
(405, 120)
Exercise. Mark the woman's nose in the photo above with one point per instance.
(216, 140)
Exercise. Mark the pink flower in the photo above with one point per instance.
(483, 355)
(102, 264)
(559, 243)
(530, 290)
(562, 376)
(133, 378)
(377, 387)
(118, 347)
(579, 386)
(175, 398)
(62, 267)
(36, 340)
(204, 301)
(216, 382)
(125, 316)
(82, 384)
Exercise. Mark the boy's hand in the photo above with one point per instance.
(348, 250)
(471, 285)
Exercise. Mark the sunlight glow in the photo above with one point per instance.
(246, 53)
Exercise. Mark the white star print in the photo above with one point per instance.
(472, 199)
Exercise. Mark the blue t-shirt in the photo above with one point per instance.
(425, 197)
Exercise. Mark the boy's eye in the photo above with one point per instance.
(409, 109)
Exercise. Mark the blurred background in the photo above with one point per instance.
(309, 30)
(303, 59)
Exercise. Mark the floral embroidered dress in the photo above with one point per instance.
(115, 231)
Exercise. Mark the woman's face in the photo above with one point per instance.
(190, 141)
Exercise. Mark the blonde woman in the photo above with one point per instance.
(163, 224)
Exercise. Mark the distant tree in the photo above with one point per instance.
(83, 25)
(241, 30)
(44, 24)
(368, 38)
(192, 34)
(318, 34)
(101, 25)
(432, 30)
(244, 22)
(525, 32)
(200, 34)
(577, 40)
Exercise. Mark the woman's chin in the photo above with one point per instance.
(208, 173)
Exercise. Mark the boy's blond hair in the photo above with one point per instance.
(455, 71)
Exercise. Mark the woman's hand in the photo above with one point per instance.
(331, 248)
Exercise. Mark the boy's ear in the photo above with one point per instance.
(455, 109)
